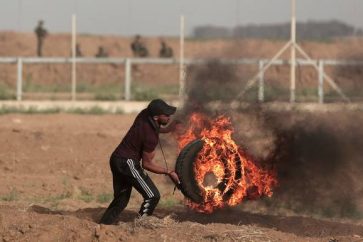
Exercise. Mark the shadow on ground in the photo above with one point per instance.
(300, 226)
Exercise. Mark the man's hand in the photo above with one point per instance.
(174, 177)
(174, 126)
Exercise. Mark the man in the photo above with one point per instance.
(78, 50)
(165, 50)
(139, 144)
(102, 53)
(41, 33)
(138, 48)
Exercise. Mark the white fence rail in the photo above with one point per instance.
(128, 62)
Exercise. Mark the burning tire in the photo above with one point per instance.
(185, 170)
(214, 171)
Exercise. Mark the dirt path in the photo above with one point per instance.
(55, 184)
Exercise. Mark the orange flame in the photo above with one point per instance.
(235, 175)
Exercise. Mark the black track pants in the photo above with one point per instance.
(127, 174)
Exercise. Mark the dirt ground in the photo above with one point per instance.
(56, 183)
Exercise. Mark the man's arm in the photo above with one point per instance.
(149, 164)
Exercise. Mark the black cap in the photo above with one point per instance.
(159, 106)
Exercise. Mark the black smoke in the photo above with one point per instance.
(319, 160)
(318, 155)
(208, 83)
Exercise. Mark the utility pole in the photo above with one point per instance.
(293, 52)
(181, 62)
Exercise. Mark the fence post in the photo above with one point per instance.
(19, 82)
(261, 87)
(127, 79)
(74, 68)
(321, 82)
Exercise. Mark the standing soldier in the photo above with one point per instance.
(165, 50)
(138, 48)
(41, 33)
(78, 50)
(101, 52)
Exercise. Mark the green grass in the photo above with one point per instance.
(273, 93)
(95, 110)
(106, 96)
(31, 110)
(142, 92)
(104, 197)
(270, 94)
(105, 92)
(59, 197)
(13, 195)
(28, 86)
(85, 195)
(54, 200)
(6, 92)
(169, 202)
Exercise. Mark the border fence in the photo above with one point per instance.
(128, 62)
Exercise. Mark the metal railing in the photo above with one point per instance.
(128, 62)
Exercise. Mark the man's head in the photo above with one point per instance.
(160, 111)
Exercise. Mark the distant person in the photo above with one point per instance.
(41, 33)
(78, 50)
(101, 52)
(138, 48)
(165, 50)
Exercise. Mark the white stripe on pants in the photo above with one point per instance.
(136, 174)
